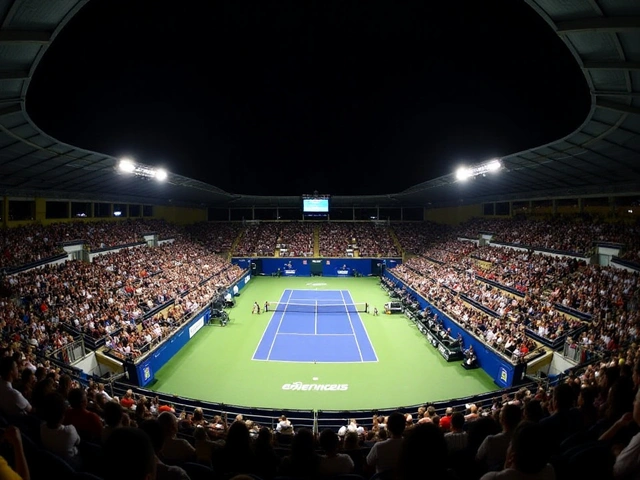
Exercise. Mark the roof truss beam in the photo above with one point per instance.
(598, 25)
(618, 107)
(611, 66)
(14, 75)
(25, 36)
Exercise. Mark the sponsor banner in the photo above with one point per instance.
(443, 351)
(193, 329)
(289, 272)
(343, 272)
(306, 387)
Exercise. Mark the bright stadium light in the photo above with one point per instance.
(127, 165)
(161, 174)
(463, 173)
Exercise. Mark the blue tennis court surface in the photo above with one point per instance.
(315, 326)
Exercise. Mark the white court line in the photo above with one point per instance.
(315, 319)
(364, 327)
(275, 335)
(308, 361)
(352, 329)
(318, 334)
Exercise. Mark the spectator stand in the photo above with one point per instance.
(626, 264)
(503, 370)
(30, 266)
(547, 251)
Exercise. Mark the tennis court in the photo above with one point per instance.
(315, 326)
(267, 360)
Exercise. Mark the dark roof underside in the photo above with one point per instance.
(601, 157)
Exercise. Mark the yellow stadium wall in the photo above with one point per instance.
(180, 215)
(453, 215)
(172, 214)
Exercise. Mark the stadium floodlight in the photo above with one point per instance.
(463, 173)
(161, 174)
(127, 165)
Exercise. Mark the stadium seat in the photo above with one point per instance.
(49, 465)
(85, 476)
(91, 454)
(198, 471)
(386, 475)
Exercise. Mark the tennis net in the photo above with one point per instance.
(317, 307)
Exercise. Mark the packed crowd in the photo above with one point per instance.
(609, 296)
(577, 234)
(216, 237)
(296, 240)
(587, 424)
(337, 239)
(34, 242)
(506, 337)
(258, 239)
(111, 294)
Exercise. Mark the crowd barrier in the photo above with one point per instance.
(551, 251)
(586, 317)
(142, 371)
(29, 266)
(493, 283)
(502, 371)
(306, 267)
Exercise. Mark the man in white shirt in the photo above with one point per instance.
(383, 456)
(284, 424)
(12, 402)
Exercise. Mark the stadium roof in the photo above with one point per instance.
(601, 157)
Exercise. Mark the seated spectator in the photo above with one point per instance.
(384, 455)
(114, 417)
(421, 440)
(267, 460)
(127, 400)
(283, 424)
(155, 432)
(332, 462)
(237, 454)
(133, 448)
(527, 456)
(303, 460)
(565, 419)
(63, 440)
(174, 449)
(12, 402)
(88, 424)
(457, 439)
(493, 450)
(205, 447)
(627, 463)
(351, 446)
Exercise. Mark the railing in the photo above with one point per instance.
(70, 353)
(149, 347)
(579, 353)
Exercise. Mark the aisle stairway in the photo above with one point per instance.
(397, 243)
(235, 243)
(316, 241)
